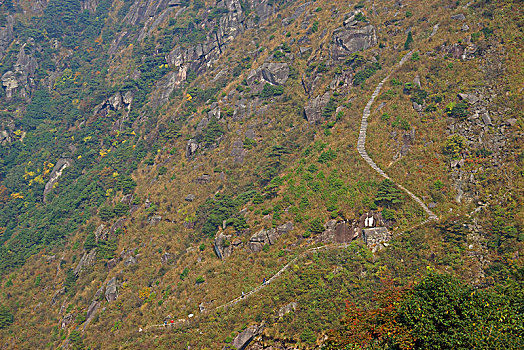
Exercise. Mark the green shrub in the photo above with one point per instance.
(457, 110)
(199, 280)
(308, 337)
(388, 214)
(362, 75)
(388, 194)
(120, 209)
(106, 213)
(316, 226)
(455, 145)
(327, 156)
(314, 27)
(271, 90)
(409, 41)
(6, 317)
(360, 17)
(184, 273)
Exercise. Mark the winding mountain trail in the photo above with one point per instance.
(363, 153)
(361, 144)
(250, 293)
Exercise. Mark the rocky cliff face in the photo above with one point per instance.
(21, 80)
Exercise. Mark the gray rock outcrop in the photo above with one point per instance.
(88, 259)
(268, 236)
(287, 309)
(376, 238)
(238, 152)
(191, 148)
(314, 107)
(225, 245)
(165, 86)
(273, 73)
(6, 34)
(21, 78)
(351, 39)
(57, 171)
(339, 231)
(91, 312)
(243, 339)
(111, 290)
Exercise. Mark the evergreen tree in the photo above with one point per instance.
(409, 41)
(6, 317)
(388, 194)
(90, 241)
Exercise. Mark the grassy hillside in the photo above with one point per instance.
(192, 127)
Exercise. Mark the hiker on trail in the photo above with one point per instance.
(264, 282)
(242, 294)
(165, 323)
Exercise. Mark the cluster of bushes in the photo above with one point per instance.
(270, 90)
(362, 75)
(214, 211)
(107, 213)
(439, 312)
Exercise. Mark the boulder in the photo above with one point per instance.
(376, 238)
(167, 258)
(203, 179)
(191, 148)
(339, 232)
(459, 17)
(115, 101)
(486, 119)
(88, 259)
(190, 197)
(99, 232)
(130, 261)
(314, 107)
(111, 290)
(285, 228)
(287, 309)
(91, 312)
(243, 339)
(351, 39)
(224, 245)
(268, 236)
(470, 98)
(155, 219)
(273, 73)
(416, 81)
(67, 320)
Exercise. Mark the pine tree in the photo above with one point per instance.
(388, 194)
(409, 41)
(6, 317)
(90, 241)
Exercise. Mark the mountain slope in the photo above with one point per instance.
(160, 158)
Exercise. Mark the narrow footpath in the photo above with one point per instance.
(361, 144)
(363, 153)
